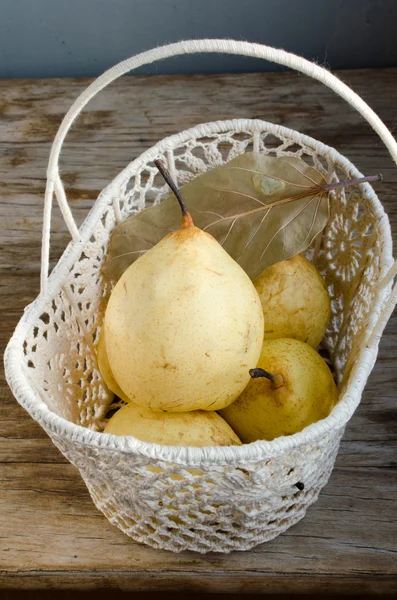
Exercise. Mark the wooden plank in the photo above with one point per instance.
(125, 563)
(51, 535)
(320, 543)
(238, 583)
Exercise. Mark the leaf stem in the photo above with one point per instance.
(187, 220)
(277, 380)
(338, 184)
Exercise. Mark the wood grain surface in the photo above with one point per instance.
(51, 535)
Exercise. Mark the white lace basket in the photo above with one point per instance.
(202, 499)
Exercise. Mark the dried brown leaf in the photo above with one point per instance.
(261, 209)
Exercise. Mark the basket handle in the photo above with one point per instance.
(54, 183)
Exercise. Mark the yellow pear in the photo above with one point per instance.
(295, 301)
(105, 370)
(197, 428)
(291, 388)
(183, 324)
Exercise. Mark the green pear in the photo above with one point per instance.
(295, 301)
(183, 324)
(197, 428)
(291, 388)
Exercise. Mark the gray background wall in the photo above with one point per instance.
(47, 38)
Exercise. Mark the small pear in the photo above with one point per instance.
(183, 324)
(104, 367)
(295, 301)
(198, 428)
(192, 429)
(291, 388)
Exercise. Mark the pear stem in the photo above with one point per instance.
(277, 379)
(187, 220)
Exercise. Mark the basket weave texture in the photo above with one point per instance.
(202, 499)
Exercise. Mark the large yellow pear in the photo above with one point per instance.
(302, 392)
(105, 370)
(197, 428)
(295, 301)
(184, 325)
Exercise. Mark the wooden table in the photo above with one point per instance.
(51, 535)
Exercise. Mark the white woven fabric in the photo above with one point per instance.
(201, 499)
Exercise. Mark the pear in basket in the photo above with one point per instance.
(196, 428)
(184, 323)
(291, 388)
(295, 301)
(105, 370)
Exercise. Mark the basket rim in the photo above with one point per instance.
(30, 399)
